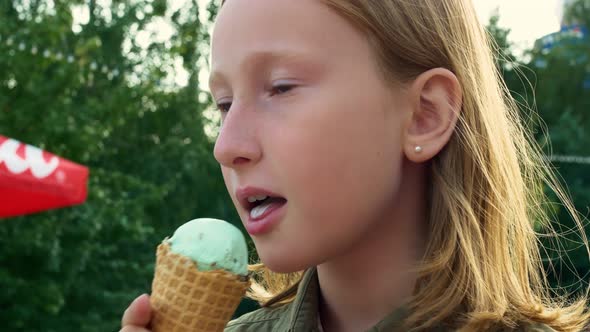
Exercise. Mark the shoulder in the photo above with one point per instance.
(264, 319)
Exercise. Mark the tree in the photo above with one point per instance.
(563, 98)
(93, 94)
(552, 86)
(577, 13)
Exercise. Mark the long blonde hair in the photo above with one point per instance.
(482, 269)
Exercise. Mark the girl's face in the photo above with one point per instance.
(309, 119)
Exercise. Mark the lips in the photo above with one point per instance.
(263, 214)
(242, 195)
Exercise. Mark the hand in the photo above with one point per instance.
(138, 316)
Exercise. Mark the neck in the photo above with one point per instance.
(369, 281)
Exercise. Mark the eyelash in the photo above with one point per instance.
(224, 107)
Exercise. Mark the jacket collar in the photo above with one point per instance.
(302, 314)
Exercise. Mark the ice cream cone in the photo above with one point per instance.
(186, 299)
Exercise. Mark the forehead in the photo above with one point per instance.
(247, 15)
(272, 28)
(255, 58)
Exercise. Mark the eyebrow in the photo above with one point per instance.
(254, 59)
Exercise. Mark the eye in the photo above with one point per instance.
(223, 107)
(280, 89)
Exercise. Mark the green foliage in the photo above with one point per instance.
(577, 13)
(563, 98)
(552, 88)
(99, 98)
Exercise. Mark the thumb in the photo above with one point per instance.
(139, 312)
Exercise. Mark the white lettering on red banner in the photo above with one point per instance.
(33, 160)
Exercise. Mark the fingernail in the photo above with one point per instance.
(137, 299)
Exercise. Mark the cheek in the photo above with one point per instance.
(335, 199)
(228, 179)
(342, 164)
(339, 163)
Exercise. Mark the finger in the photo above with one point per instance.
(139, 312)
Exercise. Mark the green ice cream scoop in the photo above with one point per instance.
(213, 244)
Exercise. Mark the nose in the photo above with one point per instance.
(237, 144)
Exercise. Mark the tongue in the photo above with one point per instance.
(272, 201)
(269, 203)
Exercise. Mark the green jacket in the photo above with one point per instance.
(301, 315)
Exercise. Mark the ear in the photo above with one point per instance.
(436, 99)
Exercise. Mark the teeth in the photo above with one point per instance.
(253, 199)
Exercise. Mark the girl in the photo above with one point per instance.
(402, 188)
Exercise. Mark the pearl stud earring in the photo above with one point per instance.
(418, 149)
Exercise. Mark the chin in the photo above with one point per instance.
(284, 263)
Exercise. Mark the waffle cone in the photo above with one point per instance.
(186, 299)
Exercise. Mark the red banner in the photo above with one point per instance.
(32, 180)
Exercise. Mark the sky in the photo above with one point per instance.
(528, 19)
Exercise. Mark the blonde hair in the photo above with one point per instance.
(482, 268)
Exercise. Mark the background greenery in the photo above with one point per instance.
(98, 94)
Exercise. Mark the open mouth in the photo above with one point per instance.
(260, 205)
